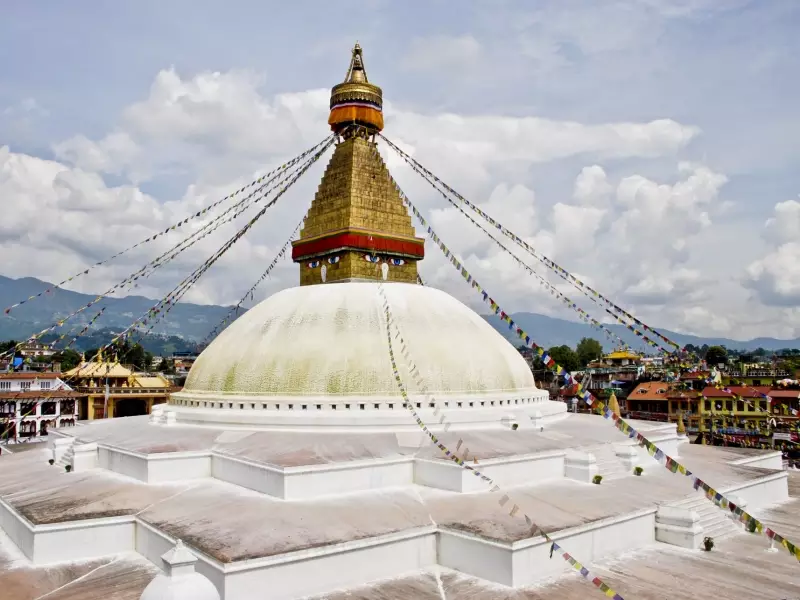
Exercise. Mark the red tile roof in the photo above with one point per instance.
(30, 375)
(651, 390)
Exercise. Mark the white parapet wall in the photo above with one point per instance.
(525, 562)
(679, 526)
(289, 576)
(155, 468)
(580, 466)
(520, 469)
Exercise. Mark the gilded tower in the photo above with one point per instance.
(357, 228)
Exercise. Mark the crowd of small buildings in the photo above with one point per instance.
(36, 396)
(757, 409)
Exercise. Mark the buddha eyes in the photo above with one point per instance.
(333, 260)
(397, 262)
(313, 264)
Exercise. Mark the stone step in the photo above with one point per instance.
(721, 530)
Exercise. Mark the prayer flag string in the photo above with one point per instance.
(505, 501)
(590, 292)
(191, 279)
(249, 293)
(174, 227)
(182, 246)
(663, 458)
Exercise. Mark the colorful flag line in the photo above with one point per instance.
(168, 299)
(590, 292)
(505, 499)
(238, 209)
(182, 246)
(168, 229)
(264, 275)
(177, 297)
(664, 459)
(582, 314)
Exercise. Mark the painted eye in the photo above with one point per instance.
(313, 264)
(333, 260)
(371, 258)
(397, 262)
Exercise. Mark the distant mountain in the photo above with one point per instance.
(186, 321)
(192, 322)
(550, 331)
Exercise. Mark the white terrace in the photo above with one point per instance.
(262, 510)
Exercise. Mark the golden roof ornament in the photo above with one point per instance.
(356, 104)
(613, 404)
(681, 426)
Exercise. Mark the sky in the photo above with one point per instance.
(648, 146)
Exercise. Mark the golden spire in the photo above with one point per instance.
(357, 227)
(681, 426)
(356, 73)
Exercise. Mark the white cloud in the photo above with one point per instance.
(439, 52)
(207, 126)
(635, 238)
(784, 227)
(775, 277)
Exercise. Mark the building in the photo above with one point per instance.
(109, 388)
(619, 371)
(34, 349)
(32, 404)
(295, 464)
(182, 361)
(753, 375)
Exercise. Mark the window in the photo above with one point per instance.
(44, 385)
(5, 385)
(319, 406)
(25, 385)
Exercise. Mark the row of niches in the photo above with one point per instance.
(345, 405)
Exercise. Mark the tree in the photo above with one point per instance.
(565, 357)
(168, 365)
(716, 355)
(68, 359)
(588, 349)
(6, 346)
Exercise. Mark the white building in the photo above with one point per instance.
(32, 403)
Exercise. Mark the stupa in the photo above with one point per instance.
(315, 357)
(288, 467)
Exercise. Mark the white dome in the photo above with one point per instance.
(324, 347)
